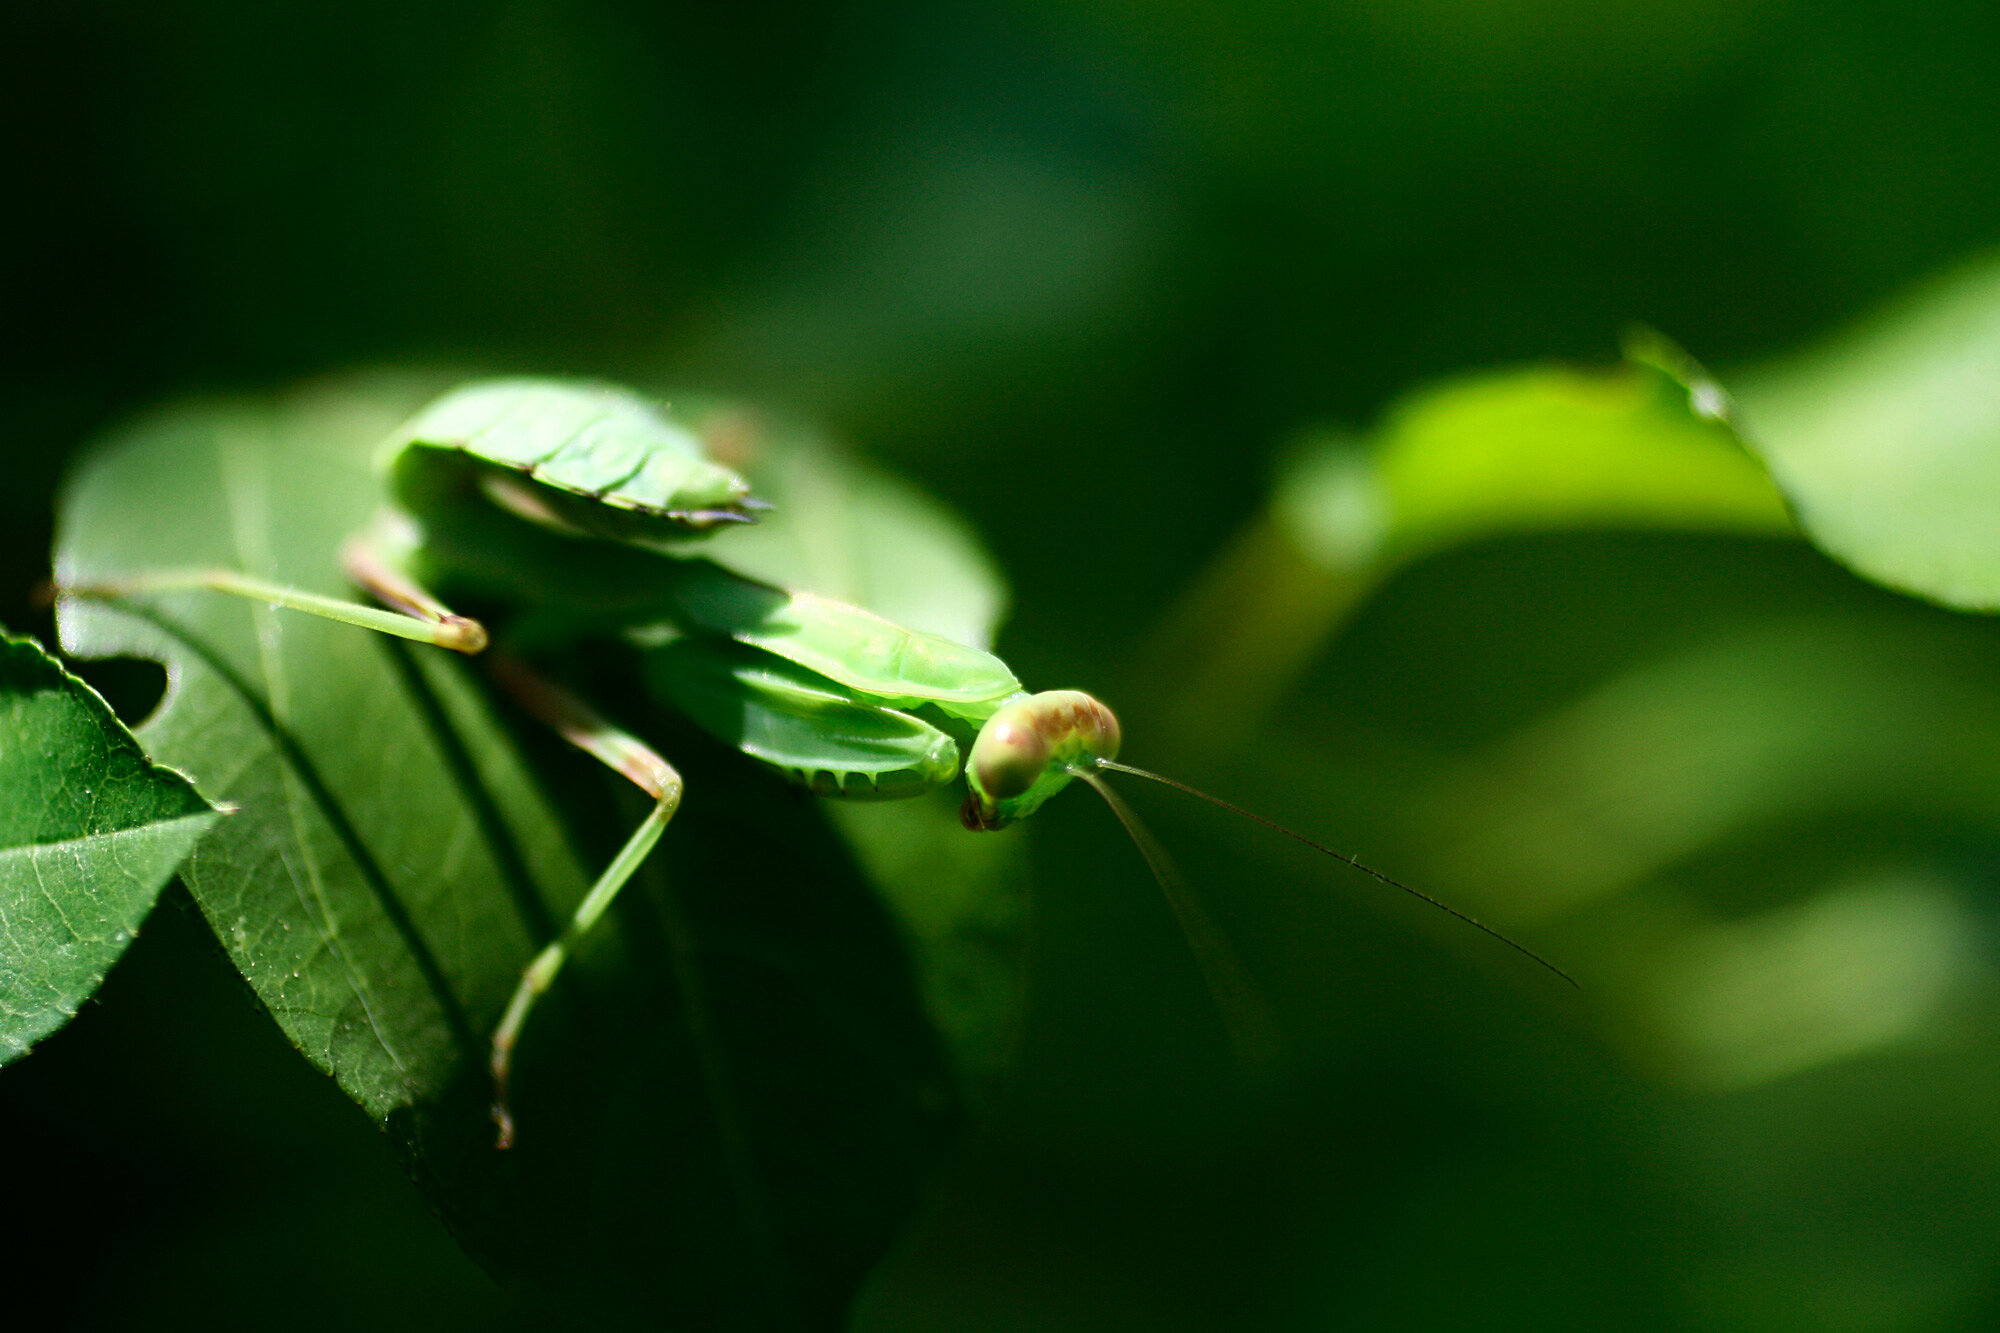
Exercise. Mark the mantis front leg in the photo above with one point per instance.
(582, 727)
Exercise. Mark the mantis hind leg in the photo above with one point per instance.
(582, 727)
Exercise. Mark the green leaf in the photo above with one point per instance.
(1647, 444)
(90, 829)
(1592, 821)
(728, 1103)
(848, 530)
(1547, 448)
(1887, 441)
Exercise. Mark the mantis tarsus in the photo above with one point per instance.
(583, 510)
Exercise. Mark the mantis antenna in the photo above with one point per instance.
(1252, 1030)
(1131, 826)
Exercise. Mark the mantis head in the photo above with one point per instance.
(1029, 751)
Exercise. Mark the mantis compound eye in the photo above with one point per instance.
(1010, 755)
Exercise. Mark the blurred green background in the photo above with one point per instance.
(1088, 270)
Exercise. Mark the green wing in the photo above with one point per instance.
(813, 730)
(576, 457)
(877, 659)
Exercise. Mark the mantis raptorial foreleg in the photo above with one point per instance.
(582, 727)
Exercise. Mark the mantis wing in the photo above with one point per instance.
(808, 727)
(873, 657)
(600, 461)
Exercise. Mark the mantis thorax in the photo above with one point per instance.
(1029, 750)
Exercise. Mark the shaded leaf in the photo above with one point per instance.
(1887, 441)
(728, 1103)
(1593, 821)
(960, 903)
(90, 830)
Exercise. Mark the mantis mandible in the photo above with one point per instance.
(582, 509)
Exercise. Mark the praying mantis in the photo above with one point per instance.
(580, 511)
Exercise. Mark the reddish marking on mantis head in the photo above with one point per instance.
(1029, 751)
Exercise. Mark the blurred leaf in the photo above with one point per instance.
(1887, 441)
(1753, 729)
(90, 829)
(1644, 445)
(1862, 966)
(730, 1101)
(1586, 823)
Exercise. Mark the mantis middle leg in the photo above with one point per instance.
(580, 725)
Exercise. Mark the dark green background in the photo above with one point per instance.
(1084, 269)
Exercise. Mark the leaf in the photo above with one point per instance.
(728, 1102)
(90, 829)
(1647, 444)
(847, 530)
(1595, 820)
(1887, 441)
(1546, 448)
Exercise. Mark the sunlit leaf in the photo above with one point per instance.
(1530, 450)
(1645, 445)
(1887, 441)
(90, 829)
(846, 529)
(732, 1097)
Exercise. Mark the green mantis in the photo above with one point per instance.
(536, 515)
